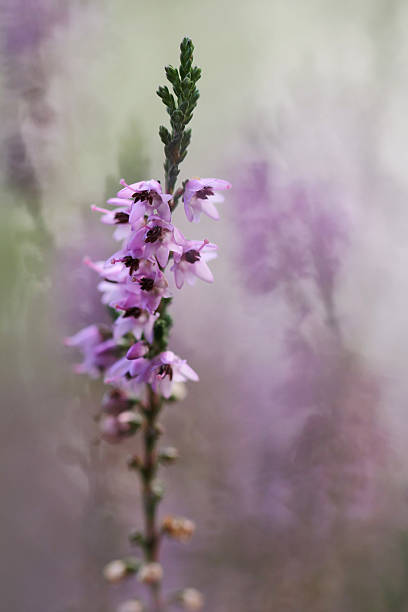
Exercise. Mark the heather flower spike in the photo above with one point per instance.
(132, 354)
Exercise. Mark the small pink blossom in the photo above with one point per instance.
(98, 352)
(155, 238)
(191, 263)
(167, 369)
(145, 198)
(127, 365)
(135, 321)
(119, 218)
(200, 197)
(162, 371)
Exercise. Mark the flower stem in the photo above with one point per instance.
(151, 497)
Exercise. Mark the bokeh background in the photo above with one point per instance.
(294, 443)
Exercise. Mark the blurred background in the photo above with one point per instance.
(294, 443)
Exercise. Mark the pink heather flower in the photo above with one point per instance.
(113, 286)
(98, 352)
(112, 273)
(119, 218)
(135, 321)
(167, 369)
(200, 197)
(191, 263)
(114, 217)
(155, 238)
(143, 290)
(146, 288)
(138, 364)
(145, 198)
(115, 293)
(161, 372)
(130, 364)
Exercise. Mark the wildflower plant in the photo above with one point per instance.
(132, 352)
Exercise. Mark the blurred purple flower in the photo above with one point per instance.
(298, 234)
(296, 231)
(98, 351)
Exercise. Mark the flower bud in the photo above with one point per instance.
(115, 571)
(168, 455)
(129, 422)
(158, 489)
(158, 429)
(137, 537)
(179, 528)
(115, 401)
(150, 573)
(109, 428)
(191, 600)
(132, 605)
(134, 462)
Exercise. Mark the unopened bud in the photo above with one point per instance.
(115, 401)
(158, 489)
(110, 429)
(134, 462)
(129, 422)
(191, 600)
(150, 573)
(178, 528)
(136, 537)
(133, 605)
(158, 429)
(115, 571)
(168, 455)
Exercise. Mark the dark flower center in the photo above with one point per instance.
(133, 312)
(165, 370)
(143, 196)
(191, 256)
(155, 233)
(131, 263)
(203, 193)
(146, 284)
(121, 217)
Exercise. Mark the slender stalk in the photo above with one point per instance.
(149, 495)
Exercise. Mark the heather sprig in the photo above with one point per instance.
(132, 353)
(180, 107)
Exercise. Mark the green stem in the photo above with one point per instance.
(150, 498)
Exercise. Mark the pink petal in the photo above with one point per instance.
(216, 183)
(203, 271)
(162, 255)
(189, 372)
(209, 209)
(188, 211)
(178, 277)
(117, 201)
